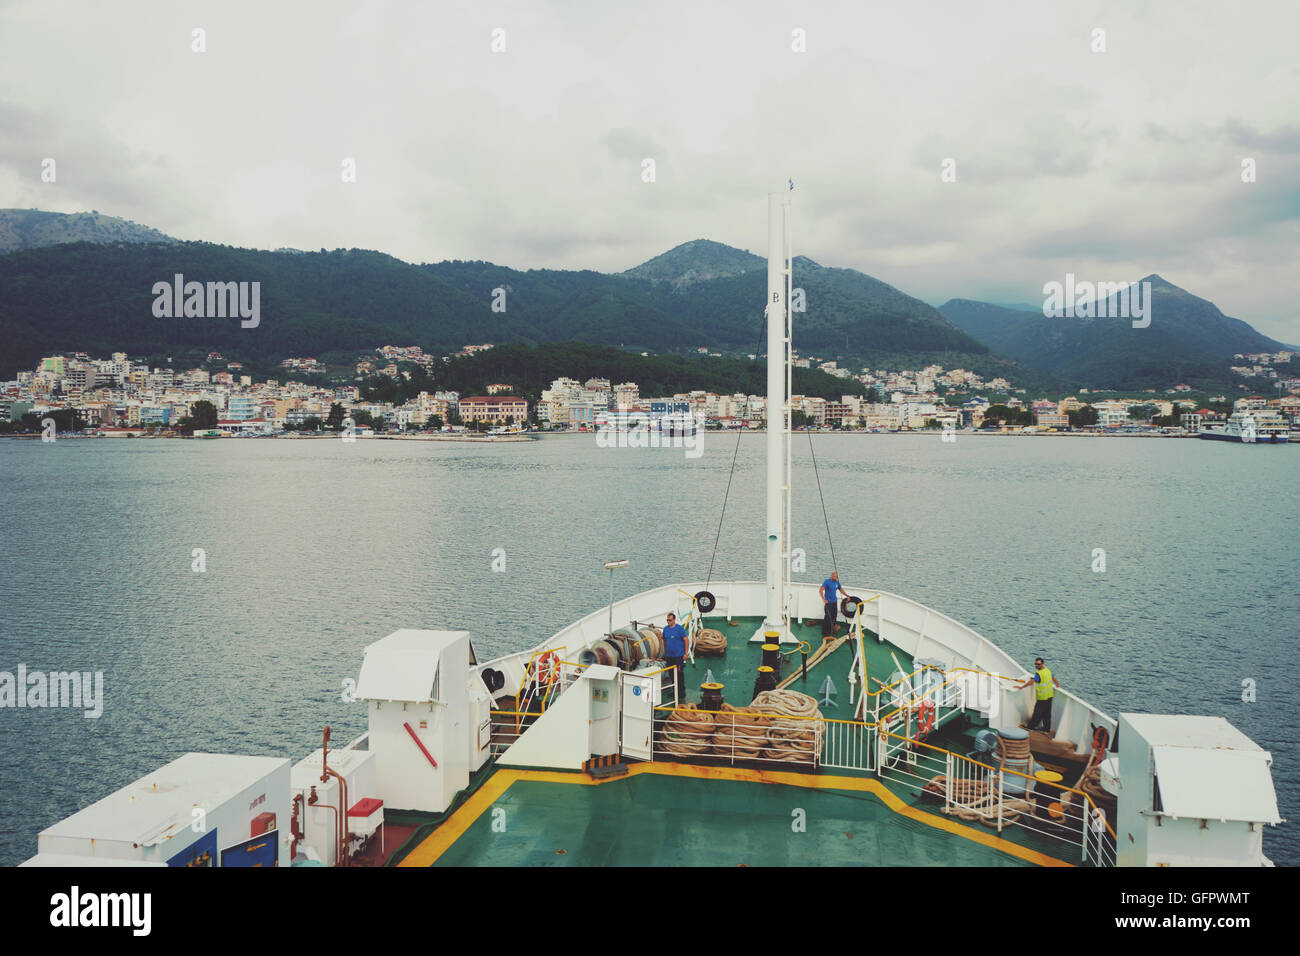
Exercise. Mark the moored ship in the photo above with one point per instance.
(1256, 425)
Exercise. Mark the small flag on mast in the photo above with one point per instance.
(791, 183)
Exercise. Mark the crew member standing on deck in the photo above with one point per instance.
(1043, 694)
(830, 592)
(675, 652)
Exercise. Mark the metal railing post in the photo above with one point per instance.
(1001, 776)
(950, 770)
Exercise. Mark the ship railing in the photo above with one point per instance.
(926, 708)
(507, 726)
(776, 739)
(543, 679)
(873, 702)
(999, 797)
(848, 745)
(1000, 697)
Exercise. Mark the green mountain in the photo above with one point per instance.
(98, 298)
(32, 228)
(697, 261)
(1188, 341)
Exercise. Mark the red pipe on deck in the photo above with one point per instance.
(421, 746)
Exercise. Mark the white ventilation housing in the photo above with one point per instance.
(417, 689)
(1194, 791)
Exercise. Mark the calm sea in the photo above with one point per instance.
(315, 549)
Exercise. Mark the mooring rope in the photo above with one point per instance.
(825, 517)
(762, 329)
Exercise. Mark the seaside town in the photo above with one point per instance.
(119, 397)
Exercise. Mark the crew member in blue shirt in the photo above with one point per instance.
(675, 653)
(830, 592)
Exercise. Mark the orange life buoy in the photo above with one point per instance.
(925, 718)
(548, 668)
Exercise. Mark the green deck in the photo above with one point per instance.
(650, 820)
(696, 817)
(737, 668)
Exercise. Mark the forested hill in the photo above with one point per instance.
(98, 298)
(1188, 341)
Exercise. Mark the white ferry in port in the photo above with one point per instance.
(1261, 426)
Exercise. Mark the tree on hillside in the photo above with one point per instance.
(1006, 415)
(203, 415)
(1082, 417)
(335, 418)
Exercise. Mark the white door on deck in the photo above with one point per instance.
(637, 728)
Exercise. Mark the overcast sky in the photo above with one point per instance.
(1110, 165)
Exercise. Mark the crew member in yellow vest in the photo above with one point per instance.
(1043, 695)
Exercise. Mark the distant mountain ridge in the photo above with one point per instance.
(1189, 340)
(97, 297)
(33, 229)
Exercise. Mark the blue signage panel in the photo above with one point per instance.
(260, 851)
(202, 852)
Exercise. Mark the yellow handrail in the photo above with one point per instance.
(523, 681)
(976, 670)
(886, 734)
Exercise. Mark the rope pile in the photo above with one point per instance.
(688, 732)
(791, 740)
(740, 732)
(963, 791)
(710, 643)
(652, 643)
(1013, 749)
(1090, 783)
(980, 801)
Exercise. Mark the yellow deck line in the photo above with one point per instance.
(438, 842)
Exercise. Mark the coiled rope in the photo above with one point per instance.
(740, 732)
(797, 740)
(710, 642)
(652, 643)
(978, 801)
(688, 732)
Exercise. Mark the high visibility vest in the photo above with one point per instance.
(1045, 689)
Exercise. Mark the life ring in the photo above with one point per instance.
(548, 668)
(925, 718)
(1100, 738)
(705, 601)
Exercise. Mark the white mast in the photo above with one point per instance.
(778, 416)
